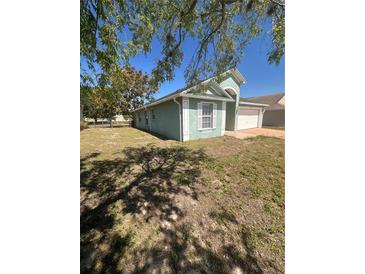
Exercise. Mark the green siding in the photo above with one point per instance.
(194, 133)
(231, 114)
(140, 124)
(230, 82)
(166, 122)
(232, 107)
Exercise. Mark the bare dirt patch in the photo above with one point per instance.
(253, 132)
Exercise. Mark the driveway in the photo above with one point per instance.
(251, 132)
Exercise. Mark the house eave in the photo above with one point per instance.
(234, 72)
(207, 97)
(253, 104)
(157, 102)
(218, 88)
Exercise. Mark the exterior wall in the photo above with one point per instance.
(166, 122)
(185, 118)
(167, 119)
(231, 112)
(231, 107)
(223, 125)
(140, 124)
(194, 133)
(274, 118)
(229, 82)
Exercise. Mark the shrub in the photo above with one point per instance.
(83, 125)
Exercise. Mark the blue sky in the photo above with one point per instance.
(262, 78)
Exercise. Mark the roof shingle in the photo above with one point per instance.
(272, 100)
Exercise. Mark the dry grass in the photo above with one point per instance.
(210, 206)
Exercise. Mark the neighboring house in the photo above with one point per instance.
(119, 118)
(274, 114)
(202, 111)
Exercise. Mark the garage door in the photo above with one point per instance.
(247, 118)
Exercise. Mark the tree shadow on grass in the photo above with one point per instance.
(180, 253)
(145, 181)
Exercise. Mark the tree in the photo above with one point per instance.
(121, 90)
(112, 31)
(134, 87)
(125, 89)
(110, 103)
(92, 102)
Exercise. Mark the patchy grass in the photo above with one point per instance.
(213, 206)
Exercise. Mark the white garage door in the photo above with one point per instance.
(247, 118)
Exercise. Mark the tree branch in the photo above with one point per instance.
(278, 2)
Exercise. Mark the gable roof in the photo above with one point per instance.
(271, 100)
(234, 72)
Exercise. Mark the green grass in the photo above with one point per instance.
(208, 205)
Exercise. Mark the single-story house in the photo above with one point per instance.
(202, 111)
(275, 113)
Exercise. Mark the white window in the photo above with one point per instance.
(207, 115)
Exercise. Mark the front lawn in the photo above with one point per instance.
(210, 206)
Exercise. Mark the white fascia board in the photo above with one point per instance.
(218, 88)
(237, 74)
(193, 87)
(207, 98)
(253, 104)
(173, 96)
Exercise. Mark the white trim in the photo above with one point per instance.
(254, 104)
(215, 86)
(237, 74)
(200, 117)
(223, 123)
(180, 120)
(193, 87)
(261, 116)
(171, 97)
(207, 98)
(232, 88)
(234, 72)
(185, 112)
(214, 115)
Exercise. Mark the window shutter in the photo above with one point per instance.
(200, 113)
(214, 115)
